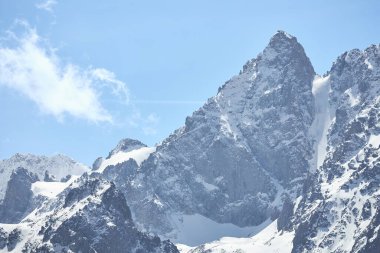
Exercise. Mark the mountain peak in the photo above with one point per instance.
(283, 35)
(282, 41)
(281, 38)
(282, 49)
(126, 145)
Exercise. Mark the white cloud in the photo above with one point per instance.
(118, 87)
(58, 89)
(46, 5)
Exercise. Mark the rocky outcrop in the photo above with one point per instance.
(18, 197)
(339, 212)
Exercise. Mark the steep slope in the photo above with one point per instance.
(237, 154)
(91, 215)
(58, 166)
(18, 197)
(338, 210)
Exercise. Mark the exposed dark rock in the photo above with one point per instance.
(18, 196)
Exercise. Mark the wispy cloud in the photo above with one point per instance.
(34, 70)
(109, 79)
(46, 5)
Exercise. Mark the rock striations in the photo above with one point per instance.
(238, 154)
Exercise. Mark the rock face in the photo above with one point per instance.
(237, 154)
(252, 142)
(58, 166)
(89, 216)
(96, 164)
(18, 197)
(339, 211)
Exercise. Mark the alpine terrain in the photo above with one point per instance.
(281, 159)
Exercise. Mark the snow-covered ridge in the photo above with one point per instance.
(51, 189)
(90, 215)
(194, 230)
(269, 240)
(126, 145)
(139, 155)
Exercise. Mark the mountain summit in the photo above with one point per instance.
(239, 154)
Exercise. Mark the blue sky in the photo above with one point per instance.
(77, 76)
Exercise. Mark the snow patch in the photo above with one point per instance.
(25, 231)
(226, 127)
(322, 120)
(51, 189)
(354, 100)
(183, 248)
(139, 155)
(269, 240)
(207, 186)
(196, 229)
(369, 65)
(374, 140)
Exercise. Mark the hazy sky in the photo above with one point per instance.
(77, 76)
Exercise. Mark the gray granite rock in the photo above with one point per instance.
(18, 196)
(239, 152)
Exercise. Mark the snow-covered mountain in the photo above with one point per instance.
(338, 210)
(238, 154)
(75, 214)
(126, 145)
(280, 143)
(27, 180)
(25, 192)
(280, 160)
(90, 215)
(58, 166)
